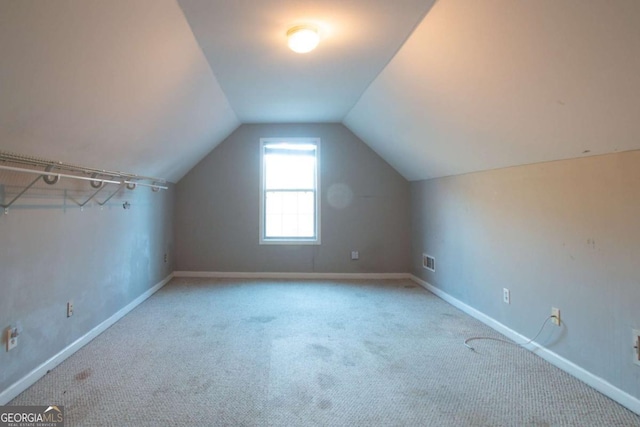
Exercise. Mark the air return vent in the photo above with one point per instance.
(429, 262)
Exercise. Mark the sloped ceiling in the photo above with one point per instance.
(126, 85)
(488, 84)
(117, 84)
(246, 45)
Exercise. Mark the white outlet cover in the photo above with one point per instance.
(11, 342)
(506, 295)
(636, 343)
(355, 255)
(558, 319)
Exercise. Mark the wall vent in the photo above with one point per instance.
(429, 262)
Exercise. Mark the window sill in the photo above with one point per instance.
(289, 242)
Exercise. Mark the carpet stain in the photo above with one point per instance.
(320, 351)
(374, 348)
(220, 326)
(200, 388)
(159, 391)
(418, 392)
(336, 325)
(81, 376)
(262, 319)
(398, 367)
(326, 381)
(325, 404)
(303, 397)
(278, 402)
(347, 361)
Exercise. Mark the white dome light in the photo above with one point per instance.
(303, 39)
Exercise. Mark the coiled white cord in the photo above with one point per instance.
(468, 340)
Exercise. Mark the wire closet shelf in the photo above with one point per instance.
(51, 172)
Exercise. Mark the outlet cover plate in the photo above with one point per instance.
(636, 346)
(12, 342)
(506, 296)
(557, 319)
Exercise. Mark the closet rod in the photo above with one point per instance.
(153, 186)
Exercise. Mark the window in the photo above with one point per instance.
(289, 191)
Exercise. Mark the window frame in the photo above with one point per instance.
(263, 191)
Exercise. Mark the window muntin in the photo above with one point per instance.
(289, 196)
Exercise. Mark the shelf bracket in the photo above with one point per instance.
(102, 187)
(120, 187)
(8, 205)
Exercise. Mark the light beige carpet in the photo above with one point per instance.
(311, 353)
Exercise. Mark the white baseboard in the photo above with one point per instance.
(299, 276)
(27, 381)
(603, 386)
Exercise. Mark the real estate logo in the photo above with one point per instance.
(31, 416)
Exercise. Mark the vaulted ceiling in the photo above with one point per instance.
(245, 43)
(151, 86)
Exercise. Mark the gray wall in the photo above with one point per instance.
(53, 252)
(563, 234)
(217, 209)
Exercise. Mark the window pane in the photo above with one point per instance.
(290, 214)
(306, 205)
(274, 203)
(290, 225)
(305, 226)
(290, 203)
(289, 171)
(273, 225)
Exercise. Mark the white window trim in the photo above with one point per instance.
(316, 241)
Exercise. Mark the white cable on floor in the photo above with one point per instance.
(468, 340)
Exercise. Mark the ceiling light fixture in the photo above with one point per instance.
(303, 38)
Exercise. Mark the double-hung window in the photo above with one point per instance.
(289, 191)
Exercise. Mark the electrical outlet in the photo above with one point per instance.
(70, 309)
(166, 258)
(355, 255)
(12, 337)
(636, 346)
(506, 296)
(555, 312)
